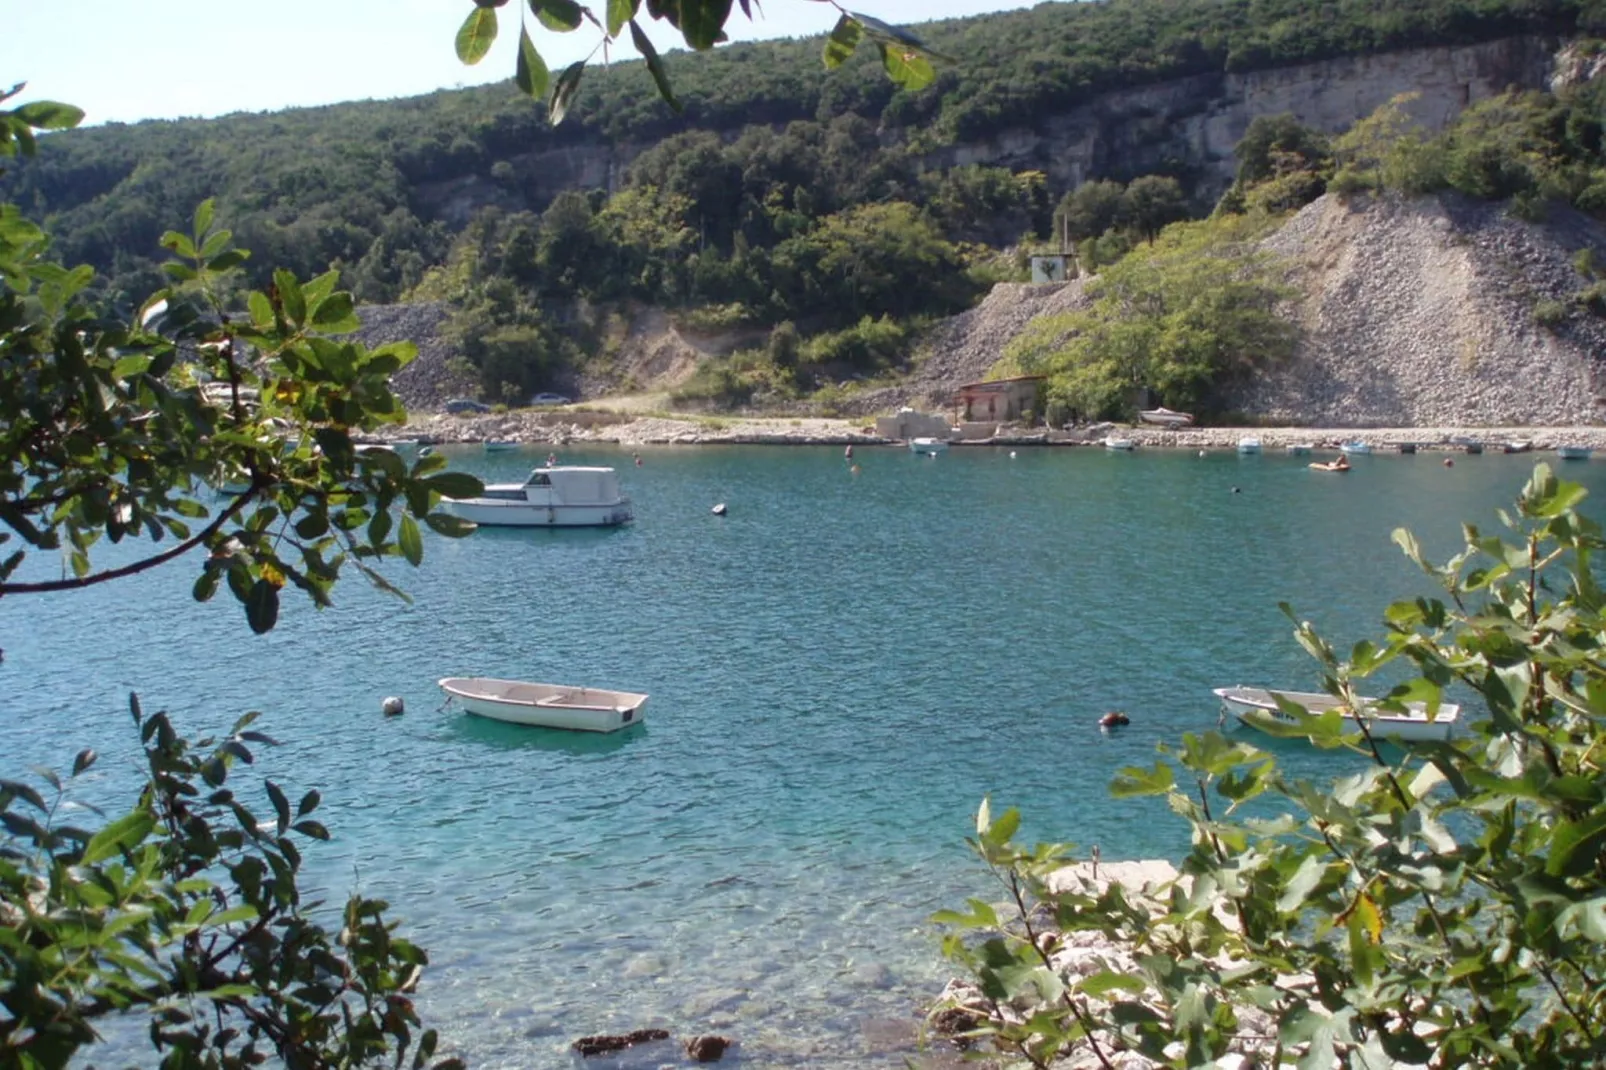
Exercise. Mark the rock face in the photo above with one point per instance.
(1195, 122)
(428, 381)
(1190, 123)
(1422, 312)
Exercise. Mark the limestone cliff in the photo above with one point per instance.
(1189, 125)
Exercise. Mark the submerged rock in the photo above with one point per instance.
(603, 1043)
(708, 1048)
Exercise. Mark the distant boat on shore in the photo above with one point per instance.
(1249, 444)
(1574, 453)
(1165, 417)
(1113, 442)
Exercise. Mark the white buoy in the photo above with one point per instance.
(1012, 455)
(718, 510)
(392, 706)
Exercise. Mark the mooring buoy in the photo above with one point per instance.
(718, 510)
(393, 706)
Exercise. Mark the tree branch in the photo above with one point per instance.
(138, 566)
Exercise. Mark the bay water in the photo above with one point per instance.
(841, 669)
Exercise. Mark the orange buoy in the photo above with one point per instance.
(1114, 719)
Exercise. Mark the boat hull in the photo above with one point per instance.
(1254, 706)
(490, 513)
(927, 445)
(574, 709)
(1574, 453)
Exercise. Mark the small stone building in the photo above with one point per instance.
(1001, 399)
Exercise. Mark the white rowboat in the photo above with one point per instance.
(1256, 705)
(580, 709)
(1574, 453)
(927, 445)
(1111, 442)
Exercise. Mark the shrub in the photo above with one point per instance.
(1550, 314)
(1441, 907)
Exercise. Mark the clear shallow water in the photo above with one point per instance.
(840, 669)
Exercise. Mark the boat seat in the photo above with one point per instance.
(560, 700)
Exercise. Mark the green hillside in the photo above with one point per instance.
(775, 197)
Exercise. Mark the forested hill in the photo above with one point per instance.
(308, 187)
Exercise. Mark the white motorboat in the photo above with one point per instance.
(565, 496)
(1249, 444)
(1299, 449)
(1166, 417)
(1574, 453)
(927, 445)
(580, 709)
(500, 445)
(1355, 447)
(1113, 442)
(1257, 704)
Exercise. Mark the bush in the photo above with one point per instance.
(1441, 907)
(1550, 314)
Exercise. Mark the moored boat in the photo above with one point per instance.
(1355, 447)
(1574, 453)
(500, 445)
(1115, 442)
(1471, 445)
(1165, 417)
(564, 496)
(579, 709)
(1299, 449)
(1255, 706)
(927, 445)
(1249, 444)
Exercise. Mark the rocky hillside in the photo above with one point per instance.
(1435, 311)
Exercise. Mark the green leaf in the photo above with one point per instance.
(281, 805)
(905, 66)
(567, 85)
(411, 542)
(844, 39)
(1106, 981)
(335, 313)
(50, 115)
(476, 35)
(619, 13)
(178, 244)
(1134, 781)
(262, 606)
(453, 527)
(655, 65)
(530, 74)
(291, 299)
(203, 218)
(702, 22)
(558, 15)
(121, 835)
(455, 485)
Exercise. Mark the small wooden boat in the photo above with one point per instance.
(500, 445)
(1115, 442)
(1520, 445)
(1355, 447)
(579, 709)
(1470, 445)
(1255, 706)
(1299, 449)
(1574, 453)
(927, 445)
(1165, 417)
(1249, 444)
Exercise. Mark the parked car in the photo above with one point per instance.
(549, 399)
(466, 405)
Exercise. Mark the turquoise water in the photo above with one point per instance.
(840, 670)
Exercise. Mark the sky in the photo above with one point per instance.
(123, 61)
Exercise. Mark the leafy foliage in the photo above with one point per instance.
(185, 910)
(1444, 907)
(136, 917)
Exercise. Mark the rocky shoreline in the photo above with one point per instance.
(557, 428)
